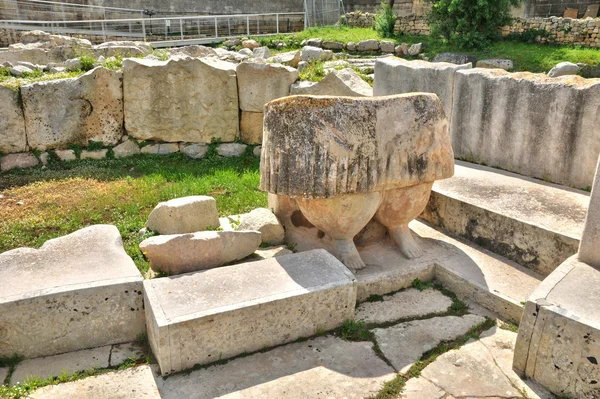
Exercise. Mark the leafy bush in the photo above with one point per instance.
(87, 62)
(385, 20)
(470, 23)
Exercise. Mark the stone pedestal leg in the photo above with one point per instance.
(342, 218)
(398, 208)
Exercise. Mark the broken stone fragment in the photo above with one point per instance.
(345, 82)
(183, 253)
(184, 215)
(266, 222)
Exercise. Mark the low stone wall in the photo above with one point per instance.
(522, 122)
(581, 32)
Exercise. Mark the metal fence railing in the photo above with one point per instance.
(170, 31)
(45, 10)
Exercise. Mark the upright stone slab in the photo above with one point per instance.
(203, 317)
(559, 335)
(185, 100)
(589, 248)
(76, 292)
(396, 76)
(260, 83)
(528, 123)
(12, 123)
(74, 111)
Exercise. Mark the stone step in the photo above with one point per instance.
(76, 292)
(477, 274)
(533, 223)
(207, 316)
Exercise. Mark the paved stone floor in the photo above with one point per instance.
(405, 325)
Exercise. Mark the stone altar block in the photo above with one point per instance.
(76, 292)
(207, 316)
(559, 336)
(338, 162)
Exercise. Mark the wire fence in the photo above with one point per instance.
(44, 10)
(323, 12)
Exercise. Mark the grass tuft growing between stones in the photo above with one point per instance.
(392, 389)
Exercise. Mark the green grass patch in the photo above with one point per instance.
(37, 76)
(313, 72)
(355, 330)
(42, 204)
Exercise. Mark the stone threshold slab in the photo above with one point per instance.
(531, 222)
(203, 317)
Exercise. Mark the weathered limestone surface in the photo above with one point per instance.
(90, 290)
(528, 123)
(492, 63)
(183, 253)
(259, 83)
(344, 82)
(355, 145)
(403, 305)
(199, 318)
(403, 344)
(533, 223)
(558, 335)
(188, 99)
(53, 366)
(122, 352)
(231, 149)
(184, 215)
(126, 149)
(396, 75)
(322, 367)
(12, 122)
(251, 127)
(590, 241)
(20, 160)
(137, 382)
(74, 111)
(264, 221)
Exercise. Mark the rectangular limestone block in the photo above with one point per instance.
(12, 123)
(557, 345)
(76, 292)
(74, 111)
(528, 123)
(397, 76)
(188, 100)
(204, 317)
(251, 127)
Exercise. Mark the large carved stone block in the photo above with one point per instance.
(191, 100)
(12, 123)
(74, 111)
(343, 161)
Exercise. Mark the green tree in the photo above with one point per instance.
(385, 19)
(470, 23)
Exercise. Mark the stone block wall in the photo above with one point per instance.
(581, 32)
(522, 122)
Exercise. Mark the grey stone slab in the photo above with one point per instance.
(88, 295)
(470, 372)
(474, 273)
(136, 382)
(325, 367)
(54, 366)
(533, 223)
(403, 305)
(405, 343)
(122, 352)
(198, 318)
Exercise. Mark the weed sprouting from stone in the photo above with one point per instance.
(355, 330)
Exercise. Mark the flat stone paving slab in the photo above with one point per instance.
(199, 318)
(325, 367)
(403, 305)
(403, 344)
(122, 352)
(53, 366)
(136, 382)
(78, 291)
(479, 369)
